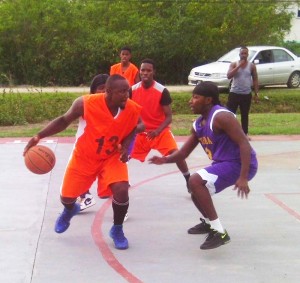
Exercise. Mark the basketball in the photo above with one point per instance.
(39, 159)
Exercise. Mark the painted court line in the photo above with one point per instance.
(283, 205)
(104, 247)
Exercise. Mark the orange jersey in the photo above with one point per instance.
(129, 74)
(95, 152)
(149, 98)
(103, 132)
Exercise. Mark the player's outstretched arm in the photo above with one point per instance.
(59, 124)
(177, 155)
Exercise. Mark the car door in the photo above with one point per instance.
(283, 66)
(264, 65)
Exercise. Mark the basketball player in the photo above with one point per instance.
(233, 160)
(117, 116)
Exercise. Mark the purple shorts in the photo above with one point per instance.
(221, 175)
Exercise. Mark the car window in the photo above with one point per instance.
(281, 56)
(231, 56)
(264, 57)
(234, 56)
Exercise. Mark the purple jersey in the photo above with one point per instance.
(218, 147)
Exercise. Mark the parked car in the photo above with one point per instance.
(275, 66)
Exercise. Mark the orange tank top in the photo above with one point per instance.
(149, 98)
(129, 74)
(102, 133)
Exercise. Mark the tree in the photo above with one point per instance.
(67, 42)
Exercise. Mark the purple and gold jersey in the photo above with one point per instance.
(218, 147)
(225, 154)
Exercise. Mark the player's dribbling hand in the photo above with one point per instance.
(123, 153)
(32, 142)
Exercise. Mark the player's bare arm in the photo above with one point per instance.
(59, 124)
(178, 155)
(123, 148)
(168, 114)
(226, 122)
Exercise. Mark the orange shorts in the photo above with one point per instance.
(164, 143)
(81, 172)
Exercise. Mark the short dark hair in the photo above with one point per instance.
(243, 47)
(149, 61)
(126, 48)
(208, 89)
(97, 81)
(112, 79)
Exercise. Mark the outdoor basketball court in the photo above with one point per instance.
(264, 230)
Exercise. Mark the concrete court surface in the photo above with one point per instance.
(264, 229)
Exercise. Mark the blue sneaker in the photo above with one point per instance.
(117, 234)
(63, 221)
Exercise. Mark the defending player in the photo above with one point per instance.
(233, 160)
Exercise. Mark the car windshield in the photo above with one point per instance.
(233, 56)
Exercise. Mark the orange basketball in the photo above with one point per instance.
(39, 159)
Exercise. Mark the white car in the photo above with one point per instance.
(275, 66)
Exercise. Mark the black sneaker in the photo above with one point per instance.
(202, 228)
(215, 239)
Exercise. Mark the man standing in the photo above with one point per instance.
(101, 147)
(244, 75)
(233, 160)
(126, 68)
(156, 114)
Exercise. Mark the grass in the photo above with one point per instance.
(260, 124)
(23, 115)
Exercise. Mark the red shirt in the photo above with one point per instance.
(152, 100)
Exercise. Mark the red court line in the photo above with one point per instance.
(104, 247)
(283, 205)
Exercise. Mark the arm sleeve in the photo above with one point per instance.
(165, 97)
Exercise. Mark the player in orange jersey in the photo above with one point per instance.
(87, 200)
(157, 117)
(126, 68)
(118, 117)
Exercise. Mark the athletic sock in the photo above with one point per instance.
(216, 225)
(120, 209)
(69, 206)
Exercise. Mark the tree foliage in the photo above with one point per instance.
(66, 42)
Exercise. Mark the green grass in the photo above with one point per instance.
(259, 124)
(23, 115)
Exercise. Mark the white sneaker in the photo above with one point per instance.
(86, 202)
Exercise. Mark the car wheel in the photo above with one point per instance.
(294, 80)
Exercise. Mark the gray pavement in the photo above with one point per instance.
(264, 230)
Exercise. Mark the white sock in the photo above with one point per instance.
(216, 225)
(207, 220)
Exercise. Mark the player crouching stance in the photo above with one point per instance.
(233, 160)
(100, 151)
